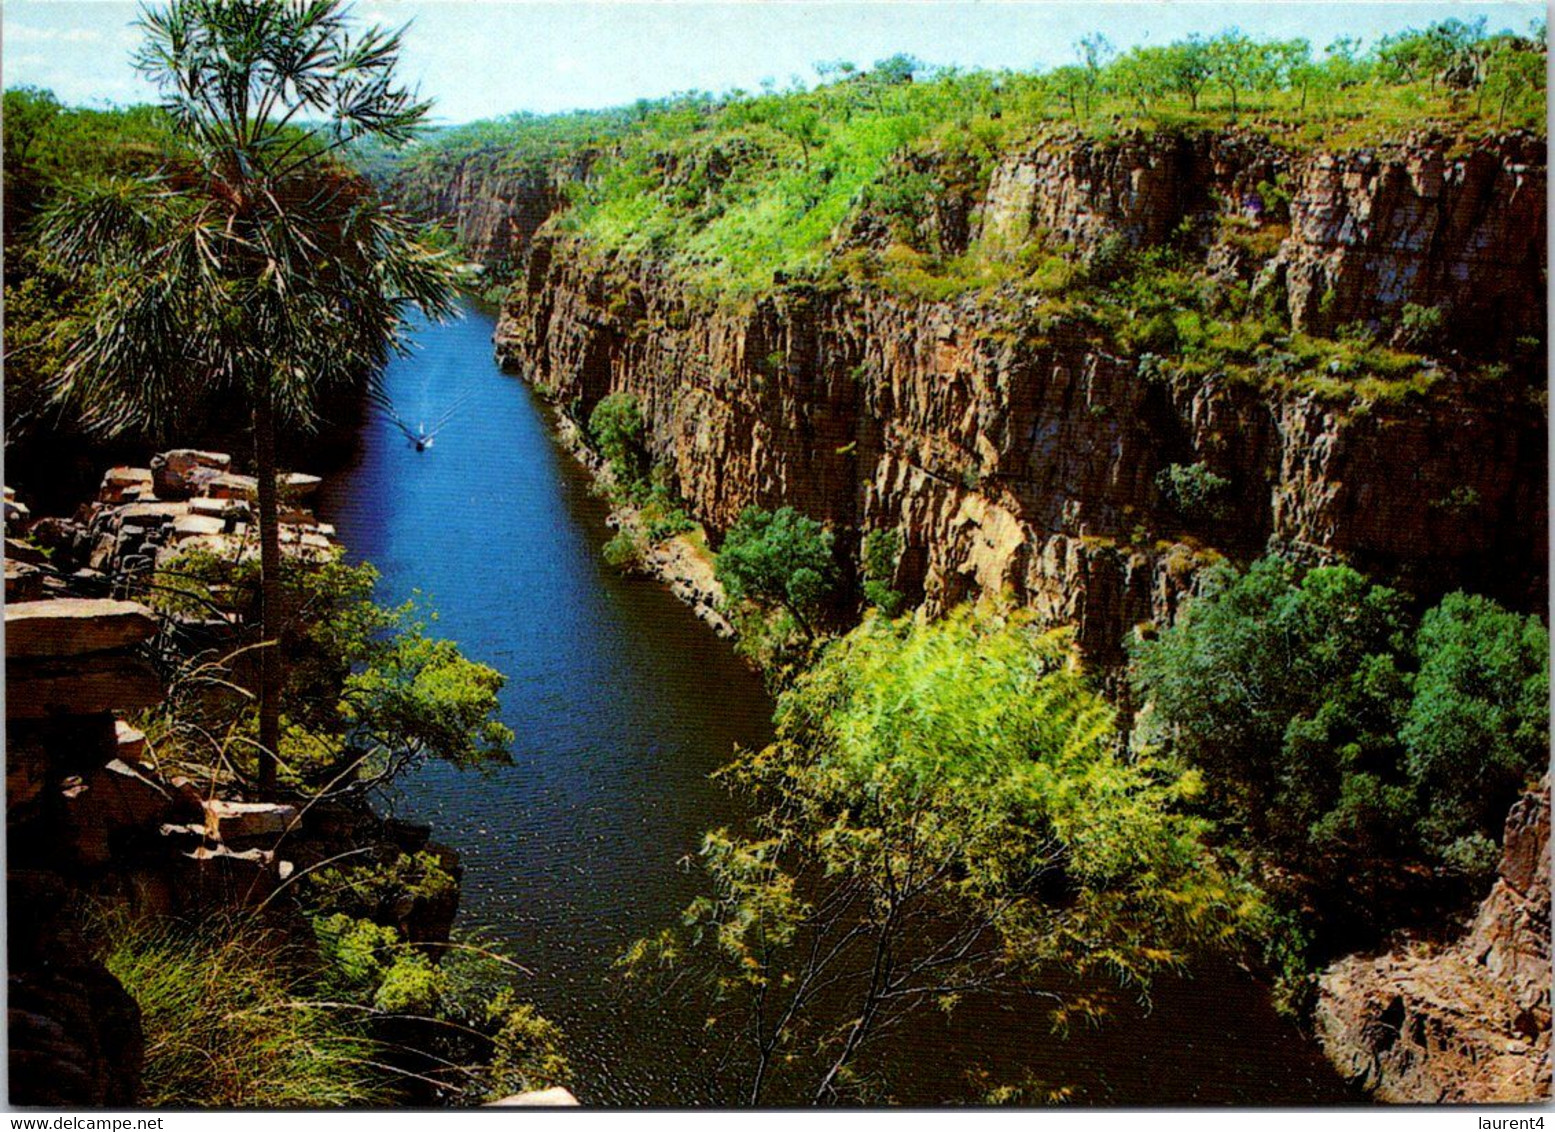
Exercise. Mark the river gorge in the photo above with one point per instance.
(622, 704)
(1105, 550)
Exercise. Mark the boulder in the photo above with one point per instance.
(89, 582)
(429, 917)
(229, 547)
(227, 510)
(123, 485)
(132, 742)
(65, 744)
(36, 689)
(148, 514)
(61, 536)
(23, 581)
(1467, 1023)
(26, 774)
(209, 878)
(231, 486)
(16, 517)
(192, 525)
(185, 471)
(75, 627)
(18, 551)
(75, 1038)
(298, 485)
(188, 801)
(556, 1097)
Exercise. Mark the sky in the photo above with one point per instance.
(484, 58)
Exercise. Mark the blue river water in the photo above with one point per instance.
(622, 704)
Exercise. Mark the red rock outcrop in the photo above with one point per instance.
(1468, 1023)
(1414, 223)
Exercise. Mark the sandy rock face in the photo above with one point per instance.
(1465, 1024)
(1413, 223)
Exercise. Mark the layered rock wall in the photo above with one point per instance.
(1015, 453)
(495, 208)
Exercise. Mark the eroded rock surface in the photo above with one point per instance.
(1467, 1023)
(1015, 453)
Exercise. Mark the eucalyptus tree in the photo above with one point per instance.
(253, 265)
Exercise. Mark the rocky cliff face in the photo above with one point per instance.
(495, 210)
(1016, 453)
(1468, 1023)
(93, 820)
(1373, 231)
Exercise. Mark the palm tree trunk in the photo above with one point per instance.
(271, 673)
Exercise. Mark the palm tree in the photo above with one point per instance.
(254, 265)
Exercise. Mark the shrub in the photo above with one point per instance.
(1420, 328)
(616, 428)
(1478, 727)
(625, 550)
(1193, 491)
(880, 551)
(1357, 754)
(1282, 687)
(229, 1023)
(949, 795)
(1110, 259)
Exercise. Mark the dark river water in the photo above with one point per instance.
(622, 703)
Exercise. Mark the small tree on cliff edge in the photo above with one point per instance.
(254, 265)
(778, 558)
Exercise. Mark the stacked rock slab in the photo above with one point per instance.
(186, 500)
(1469, 1023)
(75, 1036)
(90, 816)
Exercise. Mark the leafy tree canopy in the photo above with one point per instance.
(943, 812)
(1345, 745)
(781, 558)
(1478, 726)
(368, 691)
(616, 426)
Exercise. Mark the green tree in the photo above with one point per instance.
(257, 267)
(616, 426)
(879, 554)
(1280, 686)
(896, 70)
(29, 111)
(368, 692)
(1238, 63)
(1478, 727)
(803, 125)
(1344, 747)
(1142, 76)
(1093, 51)
(1514, 72)
(1190, 66)
(780, 558)
(1071, 83)
(1434, 54)
(943, 813)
